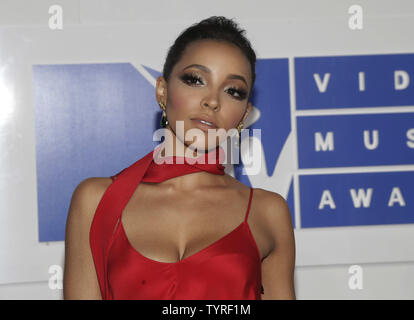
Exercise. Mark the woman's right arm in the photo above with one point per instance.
(79, 279)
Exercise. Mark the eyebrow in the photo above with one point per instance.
(204, 68)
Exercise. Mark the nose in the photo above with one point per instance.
(211, 102)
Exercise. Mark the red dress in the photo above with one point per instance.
(227, 269)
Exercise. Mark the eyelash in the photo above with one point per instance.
(189, 77)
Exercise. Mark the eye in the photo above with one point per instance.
(240, 93)
(190, 78)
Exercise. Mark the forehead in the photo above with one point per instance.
(219, 56)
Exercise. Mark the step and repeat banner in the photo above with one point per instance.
(337, 141)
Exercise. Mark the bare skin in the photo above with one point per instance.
(194, 210)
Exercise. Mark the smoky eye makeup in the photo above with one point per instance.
(241, 93)
(191, 78)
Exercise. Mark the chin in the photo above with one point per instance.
(203, 147)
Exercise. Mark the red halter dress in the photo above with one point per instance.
(227, 269)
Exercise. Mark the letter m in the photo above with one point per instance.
(322, 143)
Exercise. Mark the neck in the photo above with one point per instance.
(187, 182)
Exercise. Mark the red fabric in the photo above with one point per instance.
(227, 269)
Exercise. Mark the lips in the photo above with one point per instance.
(203, 126)
(207, 119)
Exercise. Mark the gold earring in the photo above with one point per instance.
(239, 128)
(164, 120)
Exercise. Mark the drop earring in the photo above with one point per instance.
(164, 120)
(239, 128)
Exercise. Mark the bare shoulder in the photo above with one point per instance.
(272, 203)
(94, 184)
(80, 279)
(278, 266)
(274, 211)
(85, 200)
(88, 194)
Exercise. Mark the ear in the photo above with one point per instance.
(161, 90)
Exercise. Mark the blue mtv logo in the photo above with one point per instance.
(95, 119)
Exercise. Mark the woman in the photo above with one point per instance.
(193, 232)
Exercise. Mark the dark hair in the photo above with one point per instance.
(216, 28)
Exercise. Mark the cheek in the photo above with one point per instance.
(181, 99)
(176, 100)
(232, 117)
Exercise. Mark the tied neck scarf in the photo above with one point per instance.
(125, 182)
(174, 166)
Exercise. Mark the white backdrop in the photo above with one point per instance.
(141, 33)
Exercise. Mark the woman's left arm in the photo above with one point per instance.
(278, 267)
